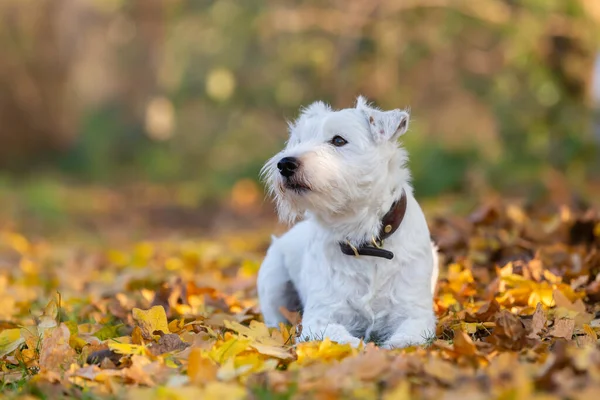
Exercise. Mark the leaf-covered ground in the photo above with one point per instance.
(517, 304)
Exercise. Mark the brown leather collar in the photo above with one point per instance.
(389, 224)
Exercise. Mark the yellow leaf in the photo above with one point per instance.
(469, 327)
(10, 339)
(447, 300)
(323, 351)
(229, 349)
(72, 325)
(136, 336)
(200, 368)
(221, 391)
(273, 351)
(400, 392)
(126, 348)
(244, 365)
(256, 331)
(166, 393)
(117, 257)
(249, 268)
(77, 342)
(541, 295)
(590, 332)
(17, 242)
(154, 319)
(176, 325)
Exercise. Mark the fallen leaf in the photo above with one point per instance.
(293, 317)
(10, 339)
(509, 333)
(149, 321)
(221, 391)
(485, 313)
(273, 351)
(49, 317)
(538, 322)
(229, 349)
(463, 344)
(563, 328)
(442, 370)
(98, 356)
(400, 392)
(56, 353)
(590, 332)
(201, 369)
(168, 343)
(126, 348)
(108, 332)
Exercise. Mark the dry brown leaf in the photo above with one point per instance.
(486, 313)
(142, 371)
(441, 370)
(293, 317)
(560, 300)
(369, 365)
(538, 322)
(168, 343)
(509, 333)
(463, 344)
(56, 354)
(563, 328)
(273, 351)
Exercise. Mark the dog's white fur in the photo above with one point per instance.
(350, 188)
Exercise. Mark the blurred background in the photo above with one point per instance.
(163, 111)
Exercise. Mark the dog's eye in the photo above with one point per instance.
(338, 141)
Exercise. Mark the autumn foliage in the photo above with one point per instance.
(516, 303)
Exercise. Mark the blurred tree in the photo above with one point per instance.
(37, 114)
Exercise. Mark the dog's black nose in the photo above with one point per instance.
(287, 166)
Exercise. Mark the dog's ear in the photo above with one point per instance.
(384, 125)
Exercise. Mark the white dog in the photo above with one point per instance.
(361, 264)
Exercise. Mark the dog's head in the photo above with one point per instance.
(338, 162)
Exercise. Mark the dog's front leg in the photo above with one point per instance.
(413, 331)
(316, 326)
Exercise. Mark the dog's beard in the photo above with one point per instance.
(292, 196)
(296, 197)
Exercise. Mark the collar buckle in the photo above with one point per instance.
(389, 224)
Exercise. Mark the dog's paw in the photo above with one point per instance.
(413, 332)
(351, 340)
(400, 343)
(345, 339)
(334, 332)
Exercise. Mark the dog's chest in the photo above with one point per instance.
(369, 290)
